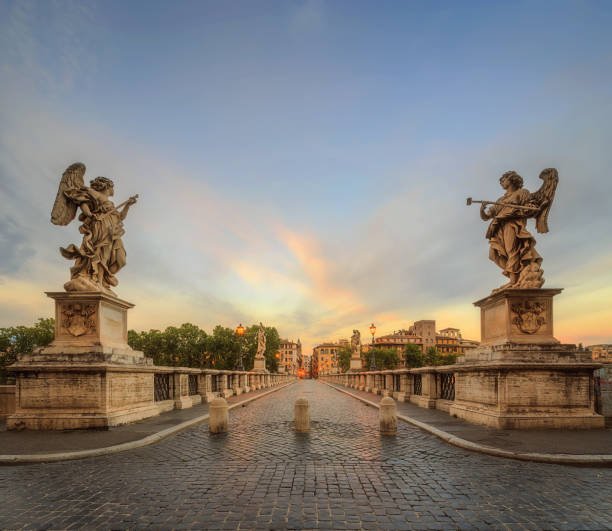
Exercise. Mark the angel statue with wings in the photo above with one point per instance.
(101, 253)
(512, 247)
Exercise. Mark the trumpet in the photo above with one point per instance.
(511, 205)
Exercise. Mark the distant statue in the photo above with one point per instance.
(261, 341)
(356, 344)
(512, 246)
(101, 254)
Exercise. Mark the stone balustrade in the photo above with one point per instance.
(428, 387)
(183, 387)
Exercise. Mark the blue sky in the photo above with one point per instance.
(306, 163)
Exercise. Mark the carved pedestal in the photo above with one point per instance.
(355, 365)
(521, 376)
(259, 365)
(88, 377)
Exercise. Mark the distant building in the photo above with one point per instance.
(325, 357)
(307, 366)
(601, 352)
(423, 334)
(289, 355)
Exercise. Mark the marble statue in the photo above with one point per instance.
(101, 254)
(356, 344)
(261, 341)
(512, 247)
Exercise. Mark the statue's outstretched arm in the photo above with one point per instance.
(126, 208)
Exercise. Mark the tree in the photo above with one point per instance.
(16, 340)
(385, 358)
(272, 347)
(344, 358)
(431, 357)
(413, 356)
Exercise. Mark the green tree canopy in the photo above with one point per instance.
(190, 346)
(385, 358)
(23, 340)
(344, 358)
(413, 356)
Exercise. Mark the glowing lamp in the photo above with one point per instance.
(372, 329)
(240, 329)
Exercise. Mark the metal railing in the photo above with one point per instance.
(447, 385)
(161, 387)
(418, 384)
(193, 384)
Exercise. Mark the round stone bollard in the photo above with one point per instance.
(388, 416)
(219, 416)
(302, 415)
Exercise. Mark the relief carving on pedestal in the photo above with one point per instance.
(79, 319)
(528, 316)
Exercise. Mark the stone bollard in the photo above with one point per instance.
(388, 416)
(302, 415)
(219, 416)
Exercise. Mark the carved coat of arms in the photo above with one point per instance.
(79, 319)
(528, 316)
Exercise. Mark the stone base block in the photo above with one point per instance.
(444, 405)
(549, 419)
(362, 388)
(79, 421)
(423, 401)
(58, 396)
(527, 395)
(246, 389)
(185, 402)
(386, 392)
(209, 397)
(226, 393)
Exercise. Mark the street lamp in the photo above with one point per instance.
(240, 332)
(373, 357)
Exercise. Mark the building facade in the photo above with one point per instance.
(601, 352)
(289, 355)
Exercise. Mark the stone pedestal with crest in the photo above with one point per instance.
(88, 377)
(521, 376)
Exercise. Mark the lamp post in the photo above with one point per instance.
(373, 357)
(240, 332)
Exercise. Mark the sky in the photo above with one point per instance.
(306, 163)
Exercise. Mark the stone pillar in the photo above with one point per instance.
(388, 416)
(219, 416)
(302, 415)
(388, 379)
(362, 382)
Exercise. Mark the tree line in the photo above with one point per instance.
(184, 346)
(390, 358)
(190, 346)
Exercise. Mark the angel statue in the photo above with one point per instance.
(101, 253)
(512, 246)
(356, 344)
(261, 341)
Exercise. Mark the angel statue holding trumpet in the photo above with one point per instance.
(101, 253)
(512, 247)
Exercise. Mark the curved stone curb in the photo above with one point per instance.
(564, 459)
(149, 439)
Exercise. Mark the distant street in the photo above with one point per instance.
(342, 475)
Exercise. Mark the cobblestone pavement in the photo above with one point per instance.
(343, 475)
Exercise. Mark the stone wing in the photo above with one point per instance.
(64, 210)
(543, 198)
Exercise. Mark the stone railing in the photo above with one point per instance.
(183, 387)
(429, 387)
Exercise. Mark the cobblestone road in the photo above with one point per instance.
(342, 475)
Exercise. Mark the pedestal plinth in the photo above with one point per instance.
(88, 377)
(521, 376)
(355, 365)
(259, 365)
